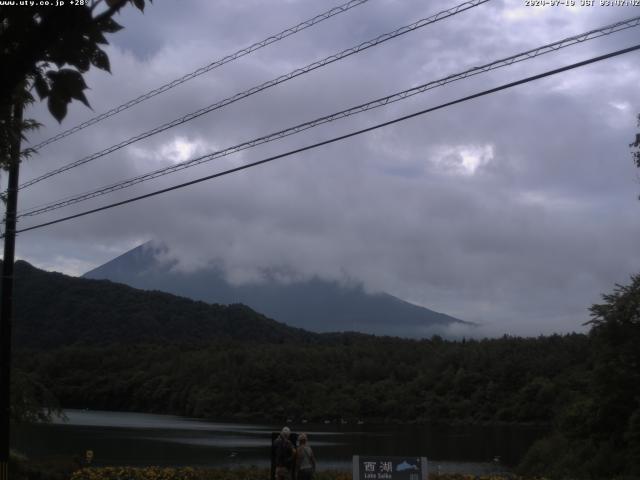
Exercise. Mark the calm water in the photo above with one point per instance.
(144, 439)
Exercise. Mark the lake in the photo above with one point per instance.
(145, 439)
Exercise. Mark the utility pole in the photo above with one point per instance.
(6, 300)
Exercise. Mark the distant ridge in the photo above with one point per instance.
(54, 310)
(315, 305)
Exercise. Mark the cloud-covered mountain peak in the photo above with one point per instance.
(311, 303)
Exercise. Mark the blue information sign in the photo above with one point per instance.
(389, 468)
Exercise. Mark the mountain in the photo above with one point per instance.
(53, 310)
(316, 305)
(101, 345)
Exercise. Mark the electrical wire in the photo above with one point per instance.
(271, 83)
(207, 68)
(337, 139)
(552, 47)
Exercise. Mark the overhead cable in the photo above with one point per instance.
(529, 54)
(336, 139)
(271, 83)
(207, 68)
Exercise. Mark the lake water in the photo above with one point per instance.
(145, 439)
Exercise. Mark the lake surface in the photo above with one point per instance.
(145, 439)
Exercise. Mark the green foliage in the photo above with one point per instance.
(542, 457)
(616, 377)
(316, 380)
(63, 86)
(54, 468)
(102, 345)
(102, 312)
(48, 49)
(31, 401)
(39, 38)
(13, 130)
(598, 434)
(635, 146)
(146, 473)
(108, 346)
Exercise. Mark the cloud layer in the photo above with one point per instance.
(515, 210)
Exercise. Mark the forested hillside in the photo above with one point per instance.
(99, 345)
(55, 310)
(374, 379)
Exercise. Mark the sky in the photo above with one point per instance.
(516, 211)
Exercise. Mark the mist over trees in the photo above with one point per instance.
(100, 345)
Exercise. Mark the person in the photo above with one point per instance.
(305, 460)
(284, 453)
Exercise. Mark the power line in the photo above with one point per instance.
(207, 68)
(552, 47)
(337, 139)
(271, 83)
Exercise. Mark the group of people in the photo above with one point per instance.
(291, 462)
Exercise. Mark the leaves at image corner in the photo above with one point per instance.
(48, 49)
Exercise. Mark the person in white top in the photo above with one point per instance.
(305, 460)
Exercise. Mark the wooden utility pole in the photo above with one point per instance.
(6, 300)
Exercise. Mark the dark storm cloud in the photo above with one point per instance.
(515, 211)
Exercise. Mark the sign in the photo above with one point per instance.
(89, 456)
(389, 468)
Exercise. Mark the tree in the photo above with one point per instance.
(46, 48)
(635, 147)
(31, 400)
(598, 434)
(615, 419)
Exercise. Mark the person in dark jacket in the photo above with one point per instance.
(284, 452)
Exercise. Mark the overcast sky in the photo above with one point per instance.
(516, 210)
